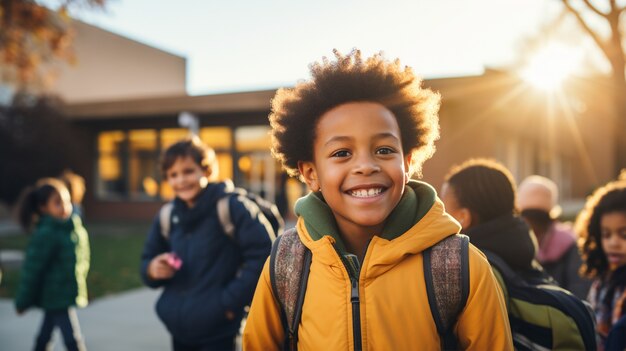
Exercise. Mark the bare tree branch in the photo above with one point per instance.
(601, 44)
(612, 48)
(593, 8)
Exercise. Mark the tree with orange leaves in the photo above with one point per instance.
(32, 36)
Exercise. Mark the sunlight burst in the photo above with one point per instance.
(551, 65)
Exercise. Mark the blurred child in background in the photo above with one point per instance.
(558, 253)
(480, 194)
(76, 186)
(208, 277)
(54, 273)
(602, 230)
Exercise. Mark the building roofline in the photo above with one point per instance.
(454, 87)
(129, 39)
(149, 107)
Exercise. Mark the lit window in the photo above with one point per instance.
(253, 138)
(173, 135)
(128, 161)
(142, 163)
(257, 169)
(219, 138)
(111, 182)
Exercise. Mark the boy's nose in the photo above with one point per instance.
(367, 167)
(177, 180)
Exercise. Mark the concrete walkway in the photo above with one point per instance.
(125, 321)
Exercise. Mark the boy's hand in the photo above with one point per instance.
(159, 268)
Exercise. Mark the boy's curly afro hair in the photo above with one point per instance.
(609, 198)
(295, 112)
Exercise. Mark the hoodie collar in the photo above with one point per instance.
(507, 236)
(416, 201)
(204, 205)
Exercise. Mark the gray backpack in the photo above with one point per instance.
(269, 210)
(446, 271)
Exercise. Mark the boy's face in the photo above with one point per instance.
(187, 179)
(358, 165)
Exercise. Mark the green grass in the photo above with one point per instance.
(115, 254)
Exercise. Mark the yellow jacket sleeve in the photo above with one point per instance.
(263, 330)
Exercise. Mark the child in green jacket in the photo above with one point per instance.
(54, 272)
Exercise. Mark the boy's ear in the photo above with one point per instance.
(465, 217)
(207, 177)
(309, 174)
(208, 172)
(407, 167)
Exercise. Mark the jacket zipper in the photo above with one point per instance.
(353, 269)
(356, 314)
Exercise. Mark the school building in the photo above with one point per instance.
(125, 98)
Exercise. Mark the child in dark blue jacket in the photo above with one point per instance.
(208, 276)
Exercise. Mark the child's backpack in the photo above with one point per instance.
(269, 210)
(543, 316)
(446, 271)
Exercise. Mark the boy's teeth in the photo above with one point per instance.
(366, 192)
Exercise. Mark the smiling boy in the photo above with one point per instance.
(208, 277)
(355, 133)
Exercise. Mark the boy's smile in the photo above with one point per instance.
(187, 179)
(359, 165)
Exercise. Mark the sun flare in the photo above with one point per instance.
(551, 65)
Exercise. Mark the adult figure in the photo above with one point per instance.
(558, 253)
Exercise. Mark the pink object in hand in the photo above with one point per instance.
(174, 261)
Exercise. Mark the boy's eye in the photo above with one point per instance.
(341, 153)
(605, 234)
(385, 151)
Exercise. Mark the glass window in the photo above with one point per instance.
(128, 161)
(225, 164)
(111, 181)
(172, 135)
(143, 164)
(219, 138)
(253, 138)
(257, 170)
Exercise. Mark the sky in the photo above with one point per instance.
(239, 45)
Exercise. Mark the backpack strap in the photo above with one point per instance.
(507, 273)
(290, 262)
(165, 214)
(446, 271)
(223, 214)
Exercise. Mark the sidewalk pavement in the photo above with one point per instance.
(125, 321)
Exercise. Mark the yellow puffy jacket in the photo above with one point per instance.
(394, 309)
